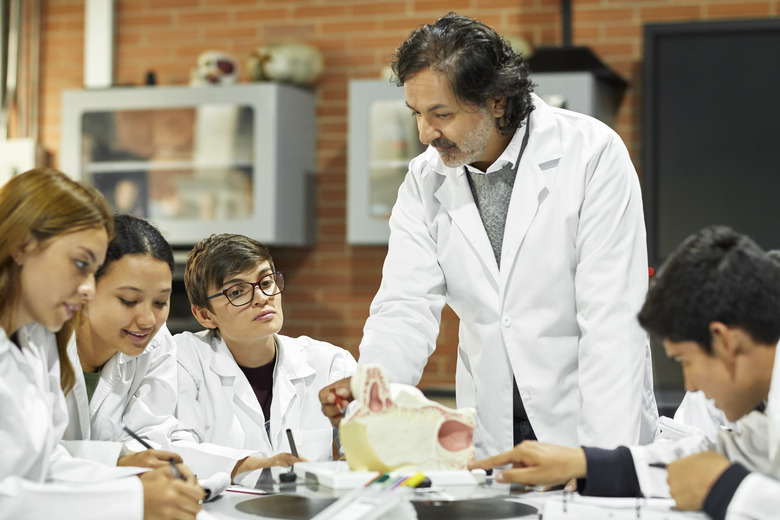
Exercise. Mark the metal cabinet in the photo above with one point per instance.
(199, 160)
(383, 139)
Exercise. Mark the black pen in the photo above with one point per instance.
(661, 465)
(146, 445)
(135, 436)
(292, 443)
(175, 470)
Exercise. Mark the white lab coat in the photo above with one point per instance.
(139, 391)
(560, 315)
(218, 406)
(697, 411)
(38, 478)
(756, 445)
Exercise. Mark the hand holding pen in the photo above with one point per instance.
(334, 399)
(151, 458)
(182, 494)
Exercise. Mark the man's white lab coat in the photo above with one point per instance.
(560, 315)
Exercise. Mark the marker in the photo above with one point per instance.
(291, 440)
(396, 482)
(339, 402)
(414, 480)
(290, 475)
(380, 479)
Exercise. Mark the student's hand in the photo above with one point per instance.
(253, 463)
(536, 463)
(149, 459)
(691, 478)
(169, 498)
(334, 399)
(283, 459)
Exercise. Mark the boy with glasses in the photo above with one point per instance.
(241, 384)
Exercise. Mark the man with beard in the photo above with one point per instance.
(527, 221)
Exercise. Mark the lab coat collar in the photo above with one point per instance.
(233, 379)
(291, 367)
(79, 389)
(112, 371)
(292, 358)
(27, 352)
(532, 185)
(223, 363)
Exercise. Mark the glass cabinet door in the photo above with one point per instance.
(172, 163)
(383, 138)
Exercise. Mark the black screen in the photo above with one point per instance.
(711, 132)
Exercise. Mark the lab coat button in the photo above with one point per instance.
(506, 322)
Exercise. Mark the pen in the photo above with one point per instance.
(146, 445)
(661, 465)
(339, 401)
(175, 470)
(135, 436)
(291, 440)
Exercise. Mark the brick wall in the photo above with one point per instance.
(332, 283)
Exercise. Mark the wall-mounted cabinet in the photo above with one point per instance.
(383, 139)
(199, 160)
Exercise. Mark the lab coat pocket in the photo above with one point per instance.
(315, 445)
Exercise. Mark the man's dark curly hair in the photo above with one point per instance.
(476, 61)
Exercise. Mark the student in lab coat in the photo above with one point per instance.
(241, 383)
(53, 237)
(716, 304)
(527, 221)
(124, 355)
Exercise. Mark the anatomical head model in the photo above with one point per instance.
(395, 427)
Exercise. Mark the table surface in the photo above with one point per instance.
(488, 501)
(301, 501)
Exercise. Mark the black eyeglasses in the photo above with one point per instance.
(242, 293)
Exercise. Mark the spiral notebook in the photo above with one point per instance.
(598, 508)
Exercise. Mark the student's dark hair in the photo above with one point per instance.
(477, 63)
(215, 259)
(720, 275)
(135, 236)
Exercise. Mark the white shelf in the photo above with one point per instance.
(128, 166)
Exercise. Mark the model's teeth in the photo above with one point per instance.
(136, 335)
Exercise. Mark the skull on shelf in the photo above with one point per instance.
(214, 68)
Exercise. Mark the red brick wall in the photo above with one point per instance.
(333, 282)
